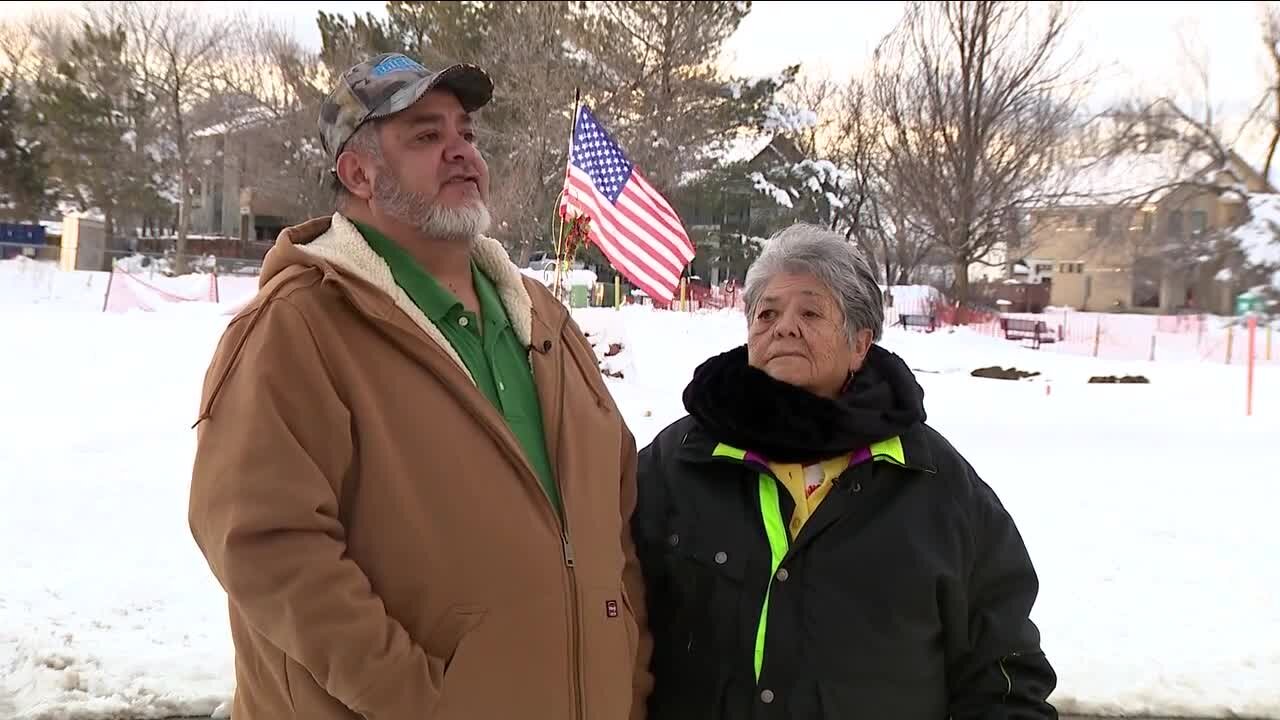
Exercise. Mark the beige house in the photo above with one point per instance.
(242, 188)
(1145, 241)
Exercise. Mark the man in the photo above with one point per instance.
(410, 478)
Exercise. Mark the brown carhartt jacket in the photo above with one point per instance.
(386, 549)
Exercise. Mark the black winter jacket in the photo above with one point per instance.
(906, 596)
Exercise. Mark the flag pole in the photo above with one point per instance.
(568, 160)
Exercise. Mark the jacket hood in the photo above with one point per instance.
(335, 246)
(743, 406)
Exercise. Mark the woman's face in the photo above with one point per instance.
(796, 334)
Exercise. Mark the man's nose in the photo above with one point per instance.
(459, 150)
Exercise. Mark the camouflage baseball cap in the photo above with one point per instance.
(386, 84)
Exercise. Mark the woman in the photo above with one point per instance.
(811, 548)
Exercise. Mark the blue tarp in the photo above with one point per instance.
(22, 233)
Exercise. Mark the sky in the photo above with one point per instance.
(1128, 47)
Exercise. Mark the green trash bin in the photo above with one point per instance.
(579, 296)
(1248, 302)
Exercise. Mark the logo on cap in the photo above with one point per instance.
(395, 63)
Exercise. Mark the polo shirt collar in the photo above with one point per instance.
(435, 300)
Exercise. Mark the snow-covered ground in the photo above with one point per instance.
(1148, 509)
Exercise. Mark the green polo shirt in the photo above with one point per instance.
(488, 347)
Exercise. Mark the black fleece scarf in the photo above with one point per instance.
(742, 406)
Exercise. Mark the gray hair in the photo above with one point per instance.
(833, 260)
(365, 140)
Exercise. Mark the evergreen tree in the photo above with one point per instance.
(653, 77)
(24, 181)
(86, 109)
(346, 41)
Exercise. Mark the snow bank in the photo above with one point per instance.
(1159, 579)
(27, 283)
(569, 279)
(912, 299)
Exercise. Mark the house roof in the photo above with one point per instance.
(248, 118)
(746, 149)
(1154, 160)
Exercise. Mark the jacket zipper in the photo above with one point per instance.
(576, 659)
(569, 562)
(560, 519)
(1008, 679)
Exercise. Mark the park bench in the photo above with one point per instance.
(921, 321)
(1026, 329)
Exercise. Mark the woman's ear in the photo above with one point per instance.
(861, 346)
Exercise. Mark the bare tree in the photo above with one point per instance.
(833, 172)
(822, 96)
(873, 215)
(174, 50)
(525, 131)
(33, 42)
(977, 99)
(272, 92)
(18, 48)
(1271, 40)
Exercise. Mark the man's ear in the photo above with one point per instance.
(353, 173)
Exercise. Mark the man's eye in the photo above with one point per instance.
(766, 314)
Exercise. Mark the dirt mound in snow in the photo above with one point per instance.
(997, 373)
(1113, 380)
(613, 350)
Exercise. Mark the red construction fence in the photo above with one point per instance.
(1207, 338)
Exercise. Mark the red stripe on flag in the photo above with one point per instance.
(616, 231)
(634, 269)
(662, 210)
(619, 246)
(619, 228)
(673, 245)
(661, 242)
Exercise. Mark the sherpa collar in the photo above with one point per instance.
(344, 247)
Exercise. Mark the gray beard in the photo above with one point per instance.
(463, 224)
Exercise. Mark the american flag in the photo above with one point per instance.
(632, 223)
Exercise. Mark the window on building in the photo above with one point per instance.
(1071, 268)
(1103, 226)
(1148, 221)
(197, 193)
(1199, 222)
(1175, 223)
(1082, 220)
